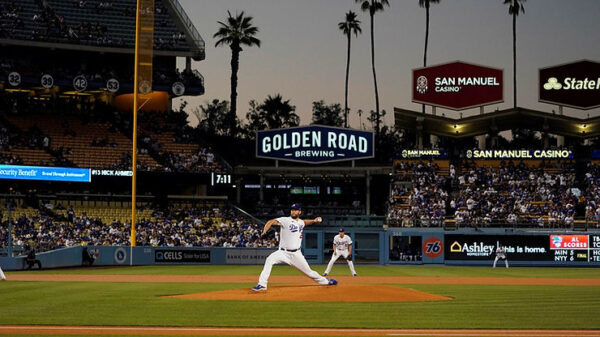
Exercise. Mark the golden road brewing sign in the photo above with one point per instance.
(315, 144)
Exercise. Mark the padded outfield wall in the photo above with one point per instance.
(397, 246)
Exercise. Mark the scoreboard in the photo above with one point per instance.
(594, 255)
(555, 247)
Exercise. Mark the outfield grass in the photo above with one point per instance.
(473, 306)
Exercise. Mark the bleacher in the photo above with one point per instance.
(15, 149)
(67, 132)
(120, 28)
(105, 220)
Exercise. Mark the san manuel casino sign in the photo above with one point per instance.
(458, 85)
(575, 85)
(315, 144)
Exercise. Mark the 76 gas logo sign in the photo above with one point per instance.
(433, 247)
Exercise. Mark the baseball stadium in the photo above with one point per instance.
(138, 199)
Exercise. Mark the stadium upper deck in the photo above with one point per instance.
(95, 25)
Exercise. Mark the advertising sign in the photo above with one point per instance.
(519, 154)
(457, 85)
(424, 153)
(555, 247)
(247, 256)
(574, 84)
(314, 144)
(181, 256)
(483, 247)
(44, 173)
(433, 247)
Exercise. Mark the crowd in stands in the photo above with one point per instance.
(515, 194)
(170, 138)
(166, 143)
(423, 201)
(592, 192)
(276, 209)
(474, 196)
(213, 226)
(44, 20)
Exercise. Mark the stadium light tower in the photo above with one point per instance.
(142, 84)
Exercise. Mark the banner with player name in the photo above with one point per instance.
(315, 144)
(526, 154)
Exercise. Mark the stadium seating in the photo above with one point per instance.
(73, 139)
(66, 21)
(484, 193)
(205, 224)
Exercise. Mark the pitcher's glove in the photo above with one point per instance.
(349, 258)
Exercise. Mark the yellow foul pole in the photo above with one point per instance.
(142, 83)
(135, 111)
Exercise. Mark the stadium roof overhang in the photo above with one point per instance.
(313, 171)
(493, 122)
(78, 47)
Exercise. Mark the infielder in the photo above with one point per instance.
(500, 254)
(2, 276)
(290, 239)
(342, 246)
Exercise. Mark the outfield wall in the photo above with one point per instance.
(477, 247)
(397, 246)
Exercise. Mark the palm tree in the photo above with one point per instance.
(514, 8)
(237, 32)
(351, 25)
(426, 4)
(374, 6)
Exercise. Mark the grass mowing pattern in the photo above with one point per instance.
(474, 306)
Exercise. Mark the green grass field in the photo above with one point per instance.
(473, 306)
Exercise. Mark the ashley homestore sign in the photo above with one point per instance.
(314, 144)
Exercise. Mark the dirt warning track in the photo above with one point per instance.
(594, 282)
(220, 331)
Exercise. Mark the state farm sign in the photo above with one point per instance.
(574, 84)
(458, 85)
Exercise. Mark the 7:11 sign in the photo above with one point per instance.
(220, 179)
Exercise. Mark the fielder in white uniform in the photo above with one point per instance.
(290, 239)
(342, 246)
(500, 254)
(2, 276)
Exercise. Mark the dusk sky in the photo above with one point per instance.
(303, 53)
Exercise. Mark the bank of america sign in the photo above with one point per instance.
(315, 144)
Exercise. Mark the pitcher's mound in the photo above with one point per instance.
(316, 293)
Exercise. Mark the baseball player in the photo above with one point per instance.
(2, 276)
(500, 254)
(290, 239)
(342, 246)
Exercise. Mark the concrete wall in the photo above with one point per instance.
(434, 246)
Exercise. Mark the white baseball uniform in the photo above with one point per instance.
(500, 254)
(290, 240)
(341, 249)
(2, 276)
